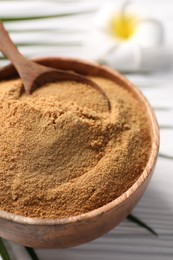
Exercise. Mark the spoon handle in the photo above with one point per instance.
(8, 48)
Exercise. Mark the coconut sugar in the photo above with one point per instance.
(63, 153)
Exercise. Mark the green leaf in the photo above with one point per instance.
(165, 126)
(2, 58)
(166, 156)
(43, 30)
(23, 18)
(140, 223)
(32, 253)
(62, 44)
(3, 252)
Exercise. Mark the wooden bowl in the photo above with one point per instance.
(73, 231)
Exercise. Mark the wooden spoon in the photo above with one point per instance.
(34, 75)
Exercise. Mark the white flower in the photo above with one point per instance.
(123, 36)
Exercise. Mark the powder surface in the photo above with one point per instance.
(62, 153)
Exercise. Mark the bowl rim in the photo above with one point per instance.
(128, 193)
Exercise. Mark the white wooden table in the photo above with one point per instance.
(127, 241)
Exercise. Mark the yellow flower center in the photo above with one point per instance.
(123, 26)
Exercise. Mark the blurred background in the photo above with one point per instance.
(93, 29)
(136, 38)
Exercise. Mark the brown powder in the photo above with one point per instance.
(62, 153)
